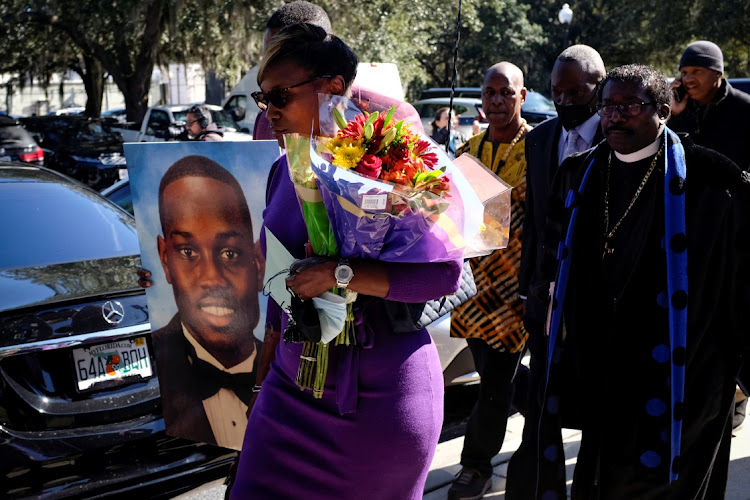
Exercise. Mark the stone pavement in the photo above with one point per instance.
(445, 464)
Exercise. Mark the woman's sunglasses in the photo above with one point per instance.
(279, 97)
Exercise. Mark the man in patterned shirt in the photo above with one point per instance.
(492, 321)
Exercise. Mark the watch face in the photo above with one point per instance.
(343, 273)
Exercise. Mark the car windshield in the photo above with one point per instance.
(55, 223)
(537, 102)
(91, 131)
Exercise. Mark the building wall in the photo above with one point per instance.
(180, 84)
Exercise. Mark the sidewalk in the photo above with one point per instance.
(445, 464)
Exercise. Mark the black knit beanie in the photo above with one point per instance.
(703, 54)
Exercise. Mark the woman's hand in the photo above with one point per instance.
(370, 278)
(312, 281)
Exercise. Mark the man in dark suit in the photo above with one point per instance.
(575, 77)
(207, 355)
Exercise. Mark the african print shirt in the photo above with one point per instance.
(495, 313)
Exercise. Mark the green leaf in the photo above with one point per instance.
(389, 116)
(339, 118)
(371, 118)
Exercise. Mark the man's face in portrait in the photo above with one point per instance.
(208, 256)
(700, 83)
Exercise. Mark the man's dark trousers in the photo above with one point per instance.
(485, 430)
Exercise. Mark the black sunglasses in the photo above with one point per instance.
(279, 97)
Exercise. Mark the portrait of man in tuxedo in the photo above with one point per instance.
(207, 354)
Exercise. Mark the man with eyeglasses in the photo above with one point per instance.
(574, 80)
(200, 127)
(649, 319)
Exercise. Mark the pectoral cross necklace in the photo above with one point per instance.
(609, 234)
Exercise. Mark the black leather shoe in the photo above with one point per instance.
(469, 484)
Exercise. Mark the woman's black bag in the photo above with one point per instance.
(408, 317)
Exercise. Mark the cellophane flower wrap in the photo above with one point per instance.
(391, 194)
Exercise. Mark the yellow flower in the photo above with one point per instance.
(347, 152)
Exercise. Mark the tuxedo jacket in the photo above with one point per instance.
(541, 167)
(184, 415)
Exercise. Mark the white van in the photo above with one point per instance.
(380, 77)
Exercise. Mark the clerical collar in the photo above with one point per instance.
(641, 154)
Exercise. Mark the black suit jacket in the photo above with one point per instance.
(541, 166)
(184, 415)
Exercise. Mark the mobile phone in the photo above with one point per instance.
(679, 93)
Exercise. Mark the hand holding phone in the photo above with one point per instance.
(679, 93)
(680, 97)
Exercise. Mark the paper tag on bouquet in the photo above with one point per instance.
(374, 201)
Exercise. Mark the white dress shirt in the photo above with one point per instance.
(226, 412)
(586, 132)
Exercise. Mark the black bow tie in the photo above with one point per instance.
(209, 380)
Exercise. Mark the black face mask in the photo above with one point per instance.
(574, 114)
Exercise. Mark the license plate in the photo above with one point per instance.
(4, 158)
(113, 361)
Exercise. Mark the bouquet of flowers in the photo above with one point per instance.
(370, 188)
(390, 193)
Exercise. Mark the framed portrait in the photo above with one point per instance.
(198, 209)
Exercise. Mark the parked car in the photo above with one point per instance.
(742, 84)
(72, 110)
(16, 144)
(72, 424)
(167, 123)
(468, 109)
(119, 193)
(455, 357)
(535, 110)
(80, 147)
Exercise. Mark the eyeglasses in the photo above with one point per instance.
(632, 109)
(279, 97)
(190, 123)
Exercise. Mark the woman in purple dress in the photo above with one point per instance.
(374, 431)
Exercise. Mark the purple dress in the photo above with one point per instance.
(374, 432)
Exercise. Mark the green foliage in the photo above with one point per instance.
(129, 37)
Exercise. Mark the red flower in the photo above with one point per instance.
(354, 129)
(397, 157)
(369, 166)
(422, 150)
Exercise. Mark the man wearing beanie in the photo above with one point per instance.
(716, 116)
(707, 107)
